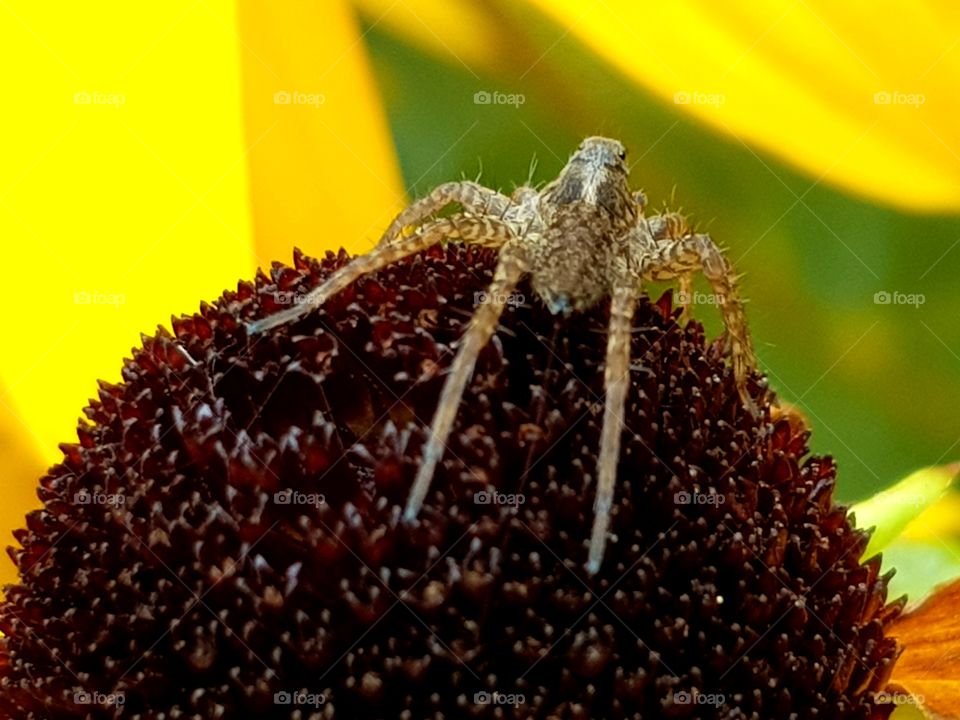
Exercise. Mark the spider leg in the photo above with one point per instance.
(685, 297)
(511, 266)
(616, 383)
(640, 198)
(473, 197)
(485, 231)
(672, 226)
(681, 256)
(668, 226)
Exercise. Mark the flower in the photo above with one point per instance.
(203, 166)
(226, 537)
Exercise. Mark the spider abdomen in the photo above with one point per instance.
(570, 268)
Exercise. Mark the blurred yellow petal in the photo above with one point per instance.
(464, 30)
(862, 96)
(22, 465)
(123, 197)
(939, 521)
(323, 171)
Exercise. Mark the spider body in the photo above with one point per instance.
(581, 239)
(584, 215)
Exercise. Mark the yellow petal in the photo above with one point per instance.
(323, 171)
(940, 520)
(22, 465)
(863, 95)
(859, 95)
(123, 195)
(463, 31)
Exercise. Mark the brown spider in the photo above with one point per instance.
(582, 238)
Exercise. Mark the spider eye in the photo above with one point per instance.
(623, 154)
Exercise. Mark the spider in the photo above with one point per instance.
(582, 238)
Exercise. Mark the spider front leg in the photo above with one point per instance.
(640, 198)
(685, 298)
(616, 383)
(677, 257)
(673, 226)
(473, 197)
(486, 231)
(511, 266)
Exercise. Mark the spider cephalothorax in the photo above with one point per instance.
(582, 238)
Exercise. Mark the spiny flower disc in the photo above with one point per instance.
(225, 539)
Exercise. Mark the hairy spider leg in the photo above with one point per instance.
(486, 231)
(681, 256)
(616, 383)
(685, 297)
(511, 267)
(672, 226)
(474, 198)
